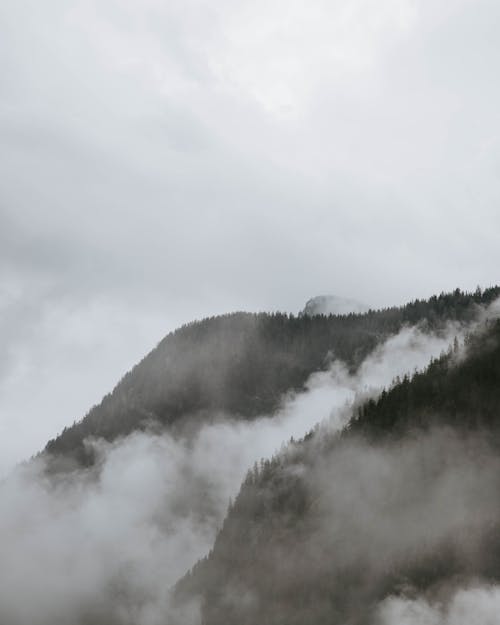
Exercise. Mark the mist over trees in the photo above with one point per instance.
(267, 468)
(403, 503)
(241, 365)
(224, 164)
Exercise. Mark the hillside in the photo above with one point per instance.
(403, 503)
(241, 364)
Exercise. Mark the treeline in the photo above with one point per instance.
(454, 391)
(241, 364)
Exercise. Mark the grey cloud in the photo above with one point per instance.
(150, 169)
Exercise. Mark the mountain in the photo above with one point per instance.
(394, 516)
(400, 509)
(333, 305)
(241, 364)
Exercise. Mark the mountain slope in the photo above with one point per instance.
(403, 502)
(241, 364)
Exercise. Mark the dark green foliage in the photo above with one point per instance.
(241, 364)
(463, 394)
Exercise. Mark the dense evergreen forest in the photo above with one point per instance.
(404, 501)
(241, 364)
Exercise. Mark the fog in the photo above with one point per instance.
(424, 508)
(388, 505)
(167, 161)
(403, 532)
(107, 543)
(338, 524)
(473, 605)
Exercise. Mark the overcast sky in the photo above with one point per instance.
(163, 160)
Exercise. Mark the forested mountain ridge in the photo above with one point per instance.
(464, 395)
(241, 364)
(403, 502)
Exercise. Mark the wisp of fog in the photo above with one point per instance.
(107, 543)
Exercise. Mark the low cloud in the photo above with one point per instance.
(413, 517)
(476, 605)
(107, 543)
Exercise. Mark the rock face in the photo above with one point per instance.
(333, 305)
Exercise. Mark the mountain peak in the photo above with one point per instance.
(333, 305)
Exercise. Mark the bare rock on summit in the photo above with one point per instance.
(333, 305)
